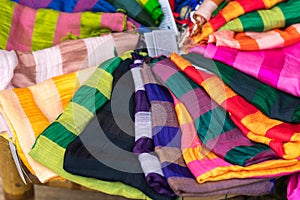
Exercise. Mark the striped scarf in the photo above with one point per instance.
(282, 137)
(153, 8)
(26, 29)
(204, 164)
(143, 147)
(280, 16)
(251, 41)
(231, 11)
(167, 142)
(277, 68)
(70, 6)
(50, 146)
(273, 103)
(213, 124)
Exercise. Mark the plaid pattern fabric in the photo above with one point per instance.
(282, 137)
(282, 15)
(274, 103)
(26, 29)
(213, 124)
(50, 146)
(204, 164)
(167, 141)
(143, 147)
(277, 68)
(70, 6)
(257, 40)
(231, 11)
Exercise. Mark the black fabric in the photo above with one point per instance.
(104, 149)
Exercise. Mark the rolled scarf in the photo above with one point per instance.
(134, 10)
(70, 6)
(277, 68)
(26, 29)
(144, 148)
(282, 137)
(167, 141)
(152, 7)
(204, 164)
(50, 146)
(213, 124)
(282, 15)
(231, 11)
(273, 103)
(253, 41)
(104, 149)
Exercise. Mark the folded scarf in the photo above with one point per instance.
(231, 11)
(104, 148)
(152, 7)
(50, 146)
(26, 29)
(293, 189)
(282, 15)
(277, 68)
(213, 124)
(251, 41)
(273, 103)
(282, 137)
(204, 164)
(70, 6)
(9, 62)
(144, 148)
(167, 142)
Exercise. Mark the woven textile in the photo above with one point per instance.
(251, 41)
(70, 6)
(274, 103)
(282, 137)
(231, 11)
(204, 164)
(8, 63)
(167, 141)
(144, 148)
(293, 189)
(277, 68)
(153, 8)
(49, 148)
(26, 29)
(213, 124)
(282, 15)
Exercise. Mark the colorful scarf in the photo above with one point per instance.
(277, 68)
(204, 164)
(252, 41)
(152, 7)
(280, 16)
(9, 62)
(167, 142)
(213, 124)
(293, 189)
(50, 146)
(70, 6)
(231, 11)
(280, 136)
(274, 103)
(26, 29)
(144, 148)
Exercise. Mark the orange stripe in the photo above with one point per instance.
(233, 10)
(290, 35)
(246, 42)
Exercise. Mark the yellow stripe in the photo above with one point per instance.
(101, 80)
(232, 10)
(75, 118)
(197, 153)
(271, 3)
(273, 18)
(183, 115)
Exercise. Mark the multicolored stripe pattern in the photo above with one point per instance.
(204, 164)
(70, 6)
(253, 41)
(231, 11)
(153, 8)
(50, 146)
(277, 67)
(26, 29)
(282, 137)
(213, 124)
(167, 141)
(144, 148)
(274, 103)
(282, 15)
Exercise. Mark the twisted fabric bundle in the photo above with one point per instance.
(26, 29)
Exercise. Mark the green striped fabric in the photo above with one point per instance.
(283, 15)
(153, 8)
(50, 146)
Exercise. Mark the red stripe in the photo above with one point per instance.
(249, 6)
